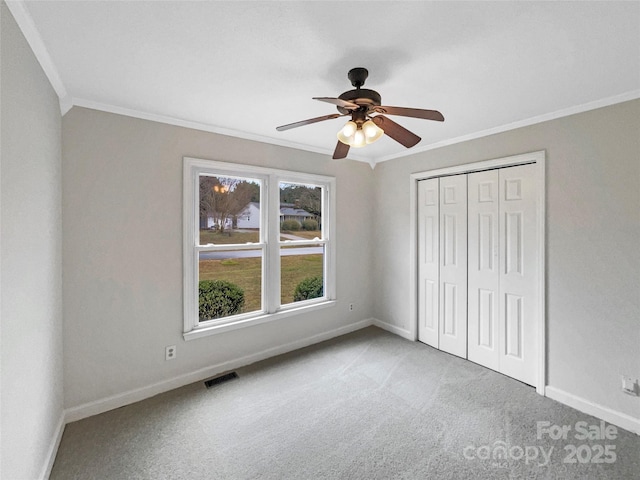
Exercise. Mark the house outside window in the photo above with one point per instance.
(258, 245)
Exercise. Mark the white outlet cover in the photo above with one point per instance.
(170, 352)
(629, 385)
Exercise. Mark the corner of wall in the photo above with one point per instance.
(31, 374)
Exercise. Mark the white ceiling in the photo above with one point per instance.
(243, 68)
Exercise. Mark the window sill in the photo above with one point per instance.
(199, 332)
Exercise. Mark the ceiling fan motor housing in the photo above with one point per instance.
(361, 96)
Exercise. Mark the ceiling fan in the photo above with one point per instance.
(368, 122)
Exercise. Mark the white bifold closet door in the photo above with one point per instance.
(518, 274)
(483, 282)
(428, 260)
(452, 336)
(484, 272)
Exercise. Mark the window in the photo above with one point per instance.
(258, 245)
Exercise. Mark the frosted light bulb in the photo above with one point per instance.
(371, 131)
(359, 140)
(349, 128)
(345, 135)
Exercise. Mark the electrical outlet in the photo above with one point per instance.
(351, 307)
(170, 352)
(629, 385)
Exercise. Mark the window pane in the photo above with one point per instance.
(229, 210)
(230, 283)
(301, 210)
(301, 273)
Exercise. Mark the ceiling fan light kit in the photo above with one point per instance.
(358, 136)
(367, 122)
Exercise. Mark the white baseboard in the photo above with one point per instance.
(53, 448)
(119, 400)
(614, 417)
(394, 329)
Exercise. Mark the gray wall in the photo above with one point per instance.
(122, 204)
(30, 259)
(593, 253)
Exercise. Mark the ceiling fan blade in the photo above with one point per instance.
(395, 131)
(341, 150)
(281, 128)
(411, 112)
(337, 101)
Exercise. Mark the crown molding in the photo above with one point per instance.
(179, 122)
(585, 107)
(20, 12)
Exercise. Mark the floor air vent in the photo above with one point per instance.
(222, 378)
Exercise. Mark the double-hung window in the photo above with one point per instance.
(258, 245)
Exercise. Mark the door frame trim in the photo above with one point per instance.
(539, 159)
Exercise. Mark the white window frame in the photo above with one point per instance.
(269, 243)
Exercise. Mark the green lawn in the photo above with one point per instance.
(294, 269)
(308, 234)
(226, 238)
(232, 236)
(246, 273)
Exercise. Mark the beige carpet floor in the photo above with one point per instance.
(368, 405)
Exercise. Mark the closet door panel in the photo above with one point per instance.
(518, 273)
(453, 265)
(428, 261)
(483, 269)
